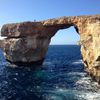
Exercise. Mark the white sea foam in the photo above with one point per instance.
(80, 95)
(2, 38)
(77, 62)
(77, 73)
(84, 80)
(89, 96)
(47, 63)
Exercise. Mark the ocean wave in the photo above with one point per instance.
(77, 62)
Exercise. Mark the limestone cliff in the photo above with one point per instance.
(28, 42)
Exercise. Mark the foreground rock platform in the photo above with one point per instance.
(28, 42)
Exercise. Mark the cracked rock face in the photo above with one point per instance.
(28, 42)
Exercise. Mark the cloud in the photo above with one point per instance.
(0, 30)
(1, 38)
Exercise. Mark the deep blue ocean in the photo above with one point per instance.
(61, 77)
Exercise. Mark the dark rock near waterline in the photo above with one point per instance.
(24, 64)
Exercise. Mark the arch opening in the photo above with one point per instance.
(65, 37)
(65, 49)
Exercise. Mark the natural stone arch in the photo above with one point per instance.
(27, 42)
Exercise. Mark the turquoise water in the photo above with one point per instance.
(61, 77)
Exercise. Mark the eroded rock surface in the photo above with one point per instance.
(28, 41)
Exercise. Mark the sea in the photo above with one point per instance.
(61, 77)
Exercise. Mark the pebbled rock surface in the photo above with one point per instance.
(28, 41)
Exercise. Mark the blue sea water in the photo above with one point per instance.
(61, 77)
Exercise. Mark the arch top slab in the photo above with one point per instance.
(27, 42)
(47, 28)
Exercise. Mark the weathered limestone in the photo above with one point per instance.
(28, 42)
(22, 51)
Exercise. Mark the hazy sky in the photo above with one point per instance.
(28, 10)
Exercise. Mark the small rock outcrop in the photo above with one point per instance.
(27, 42)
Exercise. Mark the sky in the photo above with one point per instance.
(12, 11)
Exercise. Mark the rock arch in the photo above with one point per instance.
(27, 42)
